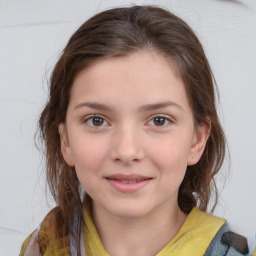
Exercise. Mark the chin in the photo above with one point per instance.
(129, 211)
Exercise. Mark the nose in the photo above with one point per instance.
(127, 146)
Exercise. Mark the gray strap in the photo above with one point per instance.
(72, 242)
(82, 247)
(73, 249)
(228, 243)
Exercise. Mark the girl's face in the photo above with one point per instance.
(130, 134)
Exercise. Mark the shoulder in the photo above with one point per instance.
(31, 245)
(205, 225)
(48, 238)
(230, 242)
(217, 237)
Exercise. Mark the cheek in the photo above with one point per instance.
(170, 156)
(171, 163)
(89, 155)
(88, 162)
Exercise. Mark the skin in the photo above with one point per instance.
(128, 138)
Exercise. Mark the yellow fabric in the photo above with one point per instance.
(93, 245)
(24, 245)
(51, 242)
(193, 238)
(195, 235)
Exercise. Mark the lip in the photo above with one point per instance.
(128, 183)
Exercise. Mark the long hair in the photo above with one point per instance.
(119, 32)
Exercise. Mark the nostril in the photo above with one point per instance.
(127, 160)
(127, 145)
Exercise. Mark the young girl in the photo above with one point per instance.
(133, 143)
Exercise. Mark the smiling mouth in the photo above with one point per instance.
(128, 183)
(132, 178)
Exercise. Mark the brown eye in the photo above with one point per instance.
(159, 121)
(95, 121)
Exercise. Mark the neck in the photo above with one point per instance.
(146, 235)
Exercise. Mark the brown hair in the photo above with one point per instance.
(118, 32)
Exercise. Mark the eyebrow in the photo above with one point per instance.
(150, 107)
(93, 105)
(144, 108)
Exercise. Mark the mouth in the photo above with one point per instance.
(128, 183)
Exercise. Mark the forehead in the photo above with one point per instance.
(140, 76)
(144, 59)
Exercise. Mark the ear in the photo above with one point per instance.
(200, 138)
(64, 143)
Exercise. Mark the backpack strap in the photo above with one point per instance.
(73, 248)
(82, 245)
(228, 243)
(72, 240)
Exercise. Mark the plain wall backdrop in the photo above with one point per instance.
(32, 35)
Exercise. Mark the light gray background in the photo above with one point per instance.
(33, 33)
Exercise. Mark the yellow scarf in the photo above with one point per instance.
(193, 238)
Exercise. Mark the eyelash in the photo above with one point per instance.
(88, 118)
(164, 118)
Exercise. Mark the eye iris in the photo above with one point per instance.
(159, 121)
(97, 121)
